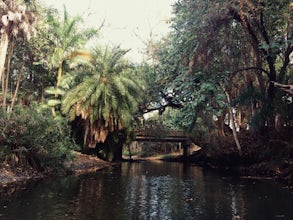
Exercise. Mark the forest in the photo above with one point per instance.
(223, 75)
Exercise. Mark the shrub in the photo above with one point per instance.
(32, 135)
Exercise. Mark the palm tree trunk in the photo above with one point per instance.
(3, 50)
(5, 89)
(59, 74)
(86, 133)
(17, 86)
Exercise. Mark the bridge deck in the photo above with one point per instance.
(163, 139)
(171, 136)
(153, 133)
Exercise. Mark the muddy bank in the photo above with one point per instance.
(279, 169)
(17, 176)
(260, 158)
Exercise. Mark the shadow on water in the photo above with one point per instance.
(150, 190)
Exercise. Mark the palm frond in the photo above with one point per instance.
(109, 96)
(78, 53)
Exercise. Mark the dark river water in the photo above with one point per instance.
(150, 190)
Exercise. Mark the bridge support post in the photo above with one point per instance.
(186, 146)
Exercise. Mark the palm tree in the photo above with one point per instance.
(15, 22)
(69, 41)
(69, 44)
(107, 99)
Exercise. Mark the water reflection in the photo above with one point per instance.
(149, 190)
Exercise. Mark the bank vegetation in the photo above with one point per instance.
(223, 75)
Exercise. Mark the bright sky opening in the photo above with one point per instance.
(128, 23)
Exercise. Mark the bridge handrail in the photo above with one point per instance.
(170, 133)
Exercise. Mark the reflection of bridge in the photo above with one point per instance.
(170, 136)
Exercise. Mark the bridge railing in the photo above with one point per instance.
(170, 133)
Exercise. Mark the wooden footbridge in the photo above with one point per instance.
(170, 136)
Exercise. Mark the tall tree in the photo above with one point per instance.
(16, 22)
(106, 99)
(69, 48)
(222, 55)
(70, 40)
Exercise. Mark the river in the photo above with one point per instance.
(150, 190)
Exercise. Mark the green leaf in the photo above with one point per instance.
(54, 102)
(55, 91)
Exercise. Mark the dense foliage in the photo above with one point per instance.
(213, 76)
(44, 61)
(31, 135)
(220, 60)
(106, 98)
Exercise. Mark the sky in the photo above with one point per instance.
(128, 23)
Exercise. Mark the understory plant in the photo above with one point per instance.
(31, 136)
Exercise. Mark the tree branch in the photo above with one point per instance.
(255, 41)
(285, 88)
(250, 68)
(286, 62)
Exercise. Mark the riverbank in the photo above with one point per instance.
(16, 176)
(13, 177)
(279, 169)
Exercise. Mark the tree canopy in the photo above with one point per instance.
(226, 64)
(106, 98)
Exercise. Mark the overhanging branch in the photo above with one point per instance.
(285, 88)
(250, 68)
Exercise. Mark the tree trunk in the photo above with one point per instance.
(115, 152)
(113, 146)
(235, 136)
(5, 89)
(86, 133)
(232, 120)
(17, 86)
(59, 75)
(3, 50)
(129, 151)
